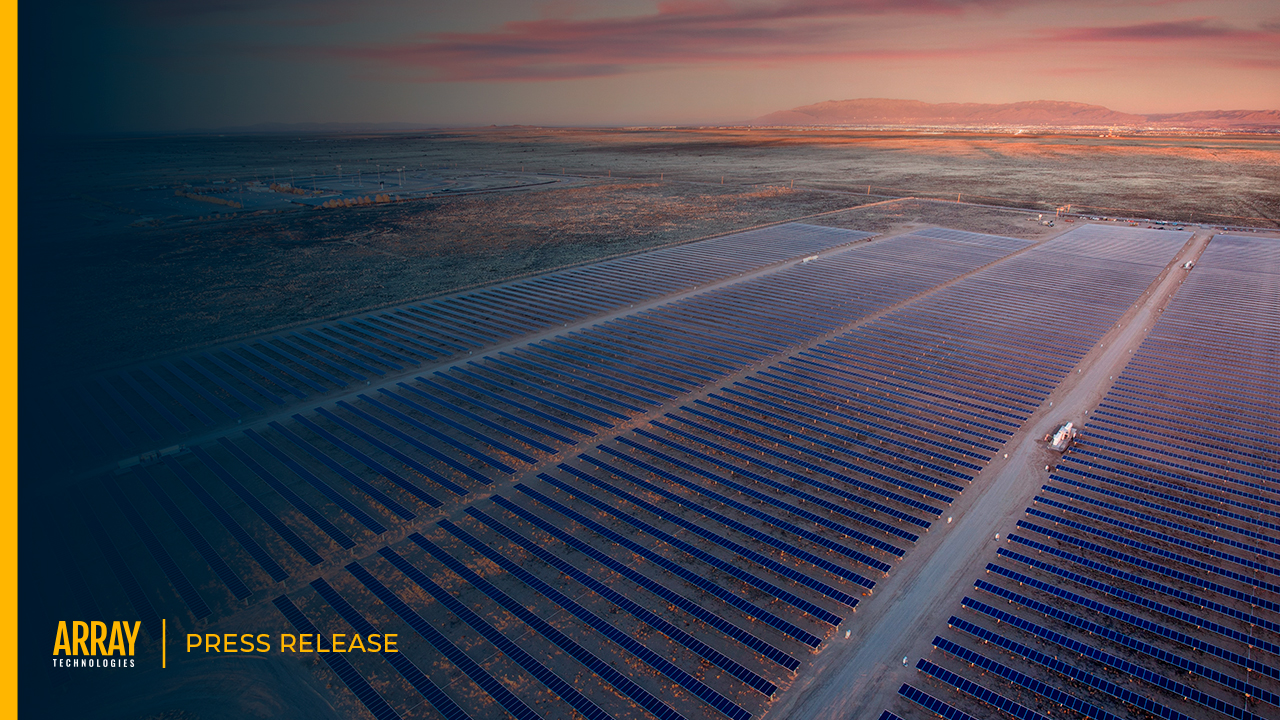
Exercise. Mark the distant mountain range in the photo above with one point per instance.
(881, 111)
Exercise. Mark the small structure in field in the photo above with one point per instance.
(1061, 439)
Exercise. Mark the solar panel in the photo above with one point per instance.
(451, 407)
(1210, 519)
(628, 643)
(508, 387)
(765, 649)
(1132, 598)
(1152, 520)
(321, 358)
(361, 341)
(1131, 560)
(1139, 672)
(211, 556)
(580, 363)
(752, 610)
(487, 682)
(357, 328)
(539, 671)
(361, 516)
(482, 437)
(132, 588)
(224, 385)
(338, 664)
(253, 384)
(179, 397)
(410, 672)
(246, 541)
(283, 368)
(269, 517)
(343, 472)
(639, 612)
(365, 325)
(452, 462)
(755, 494)
(177, 578)
(1142, 647)
(1085, 678)
(969, 687)
(500, 413)
(333, 349)
(367, 461)
(301, 505)
(743, 528)
(760, 583)
(571, 381)
(128, 408)
(326, 341)
(532, 410)
(393, 452)
(277, 349)
(464, 447)
(622, 683)
(155, 404)
(204, 393)
(867, 459)
(838, 492)
(932, 703)
(1183, 559)
(1048, 692)
(769, 482)
(272, 378)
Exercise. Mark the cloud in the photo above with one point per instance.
(678, 32)
(1173, 30)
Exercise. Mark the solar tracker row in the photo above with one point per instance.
(627, 642)
(358, 685)
(410, 672)
(673, 632)
(641, 696)
(1171, 485)
(710, 559)
(442, 644)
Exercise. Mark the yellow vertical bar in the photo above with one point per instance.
(9, 361)
(164, 643)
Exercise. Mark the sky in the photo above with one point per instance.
(166, 65)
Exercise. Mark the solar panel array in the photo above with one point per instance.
(665, 513)
(1144, 578)
(145, 407)
(327, 480)
(653, 540)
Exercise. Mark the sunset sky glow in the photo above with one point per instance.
(141, 65)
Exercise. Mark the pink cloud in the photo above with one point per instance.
(1173, 30)
(679, 32)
